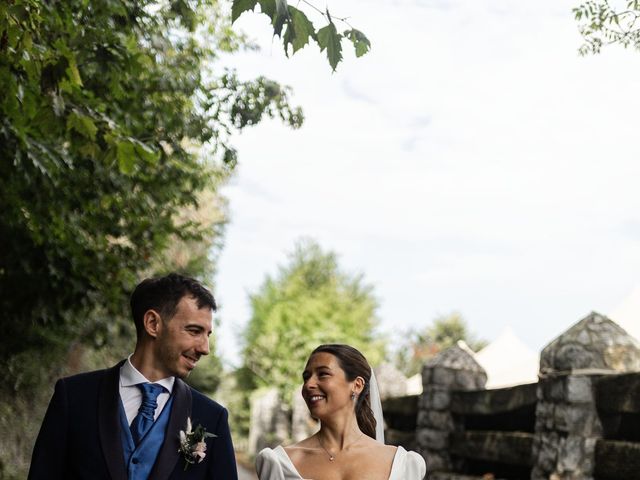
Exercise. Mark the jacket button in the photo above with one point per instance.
(135, 461)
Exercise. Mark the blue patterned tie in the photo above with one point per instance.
(144, 419)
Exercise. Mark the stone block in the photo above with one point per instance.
(437, 461)
(436, 399)
(583, 420)
(443, 376)
(545, 452)
(422, 420)
(467, 380)
(432, 439)
(427, 373)
(579, 389)
(552, 389)
(570, 454)
(561, 419)
(438, 420)
(545, 416)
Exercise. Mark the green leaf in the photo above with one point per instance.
(268, 7)
(126, 157)
(240, 6)
(145, 152)
(281, 17)
(360, 41)
(73, 73)
(281, 8)
(298, 31)
(329, 39)
(277, 11)
(82, 124)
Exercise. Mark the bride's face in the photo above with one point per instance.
(326, 389)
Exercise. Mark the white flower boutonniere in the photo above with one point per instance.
(192, 443)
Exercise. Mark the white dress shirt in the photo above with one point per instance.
(131, 395)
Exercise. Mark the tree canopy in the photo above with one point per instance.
(309, 302)
(115, 120)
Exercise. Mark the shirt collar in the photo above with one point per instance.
(130, 376)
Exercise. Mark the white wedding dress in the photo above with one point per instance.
(276, 465)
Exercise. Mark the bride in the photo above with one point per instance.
(340, 390)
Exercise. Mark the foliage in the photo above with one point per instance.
(310, 302)
(419, 346)
(115, 125)
(113, 122)
(299, 30)
(604, 22)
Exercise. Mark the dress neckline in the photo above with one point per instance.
(279, 450)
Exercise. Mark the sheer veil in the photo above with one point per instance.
(376, 407)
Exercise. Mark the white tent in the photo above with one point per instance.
(627, 313)
(508, 361)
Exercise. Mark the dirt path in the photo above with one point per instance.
(246, 474)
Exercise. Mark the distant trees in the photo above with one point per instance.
(309, 302)
(422, 344)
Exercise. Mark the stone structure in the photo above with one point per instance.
(269, 424)
(452, 369)
(567, 422)
(302, 424)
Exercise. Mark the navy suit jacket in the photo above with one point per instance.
(80, 435)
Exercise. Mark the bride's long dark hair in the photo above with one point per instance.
(355, 365)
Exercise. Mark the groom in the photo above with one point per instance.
(125, 422)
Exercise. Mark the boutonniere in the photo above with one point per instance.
(192, 443)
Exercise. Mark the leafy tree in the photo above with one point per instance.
(604, 22)
(296, 30)
(309, 302)
(114, 119)
(115, 126)
(421, 345)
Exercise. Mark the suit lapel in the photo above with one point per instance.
(109, 423)
(180, 410)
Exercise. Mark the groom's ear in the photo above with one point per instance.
(152, 323)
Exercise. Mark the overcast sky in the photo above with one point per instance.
(472, 161)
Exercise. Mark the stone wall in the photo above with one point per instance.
(451, 370)
(269, 425)
(581, 421)
(567, 422)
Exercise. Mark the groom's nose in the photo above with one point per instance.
(202, 347)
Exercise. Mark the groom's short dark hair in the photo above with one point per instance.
(163, 294)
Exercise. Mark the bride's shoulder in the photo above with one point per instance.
(415, 466)
(269, 463)
(297, 451)
(266, 455)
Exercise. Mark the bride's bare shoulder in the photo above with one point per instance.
(308, 445)
(380, 448)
